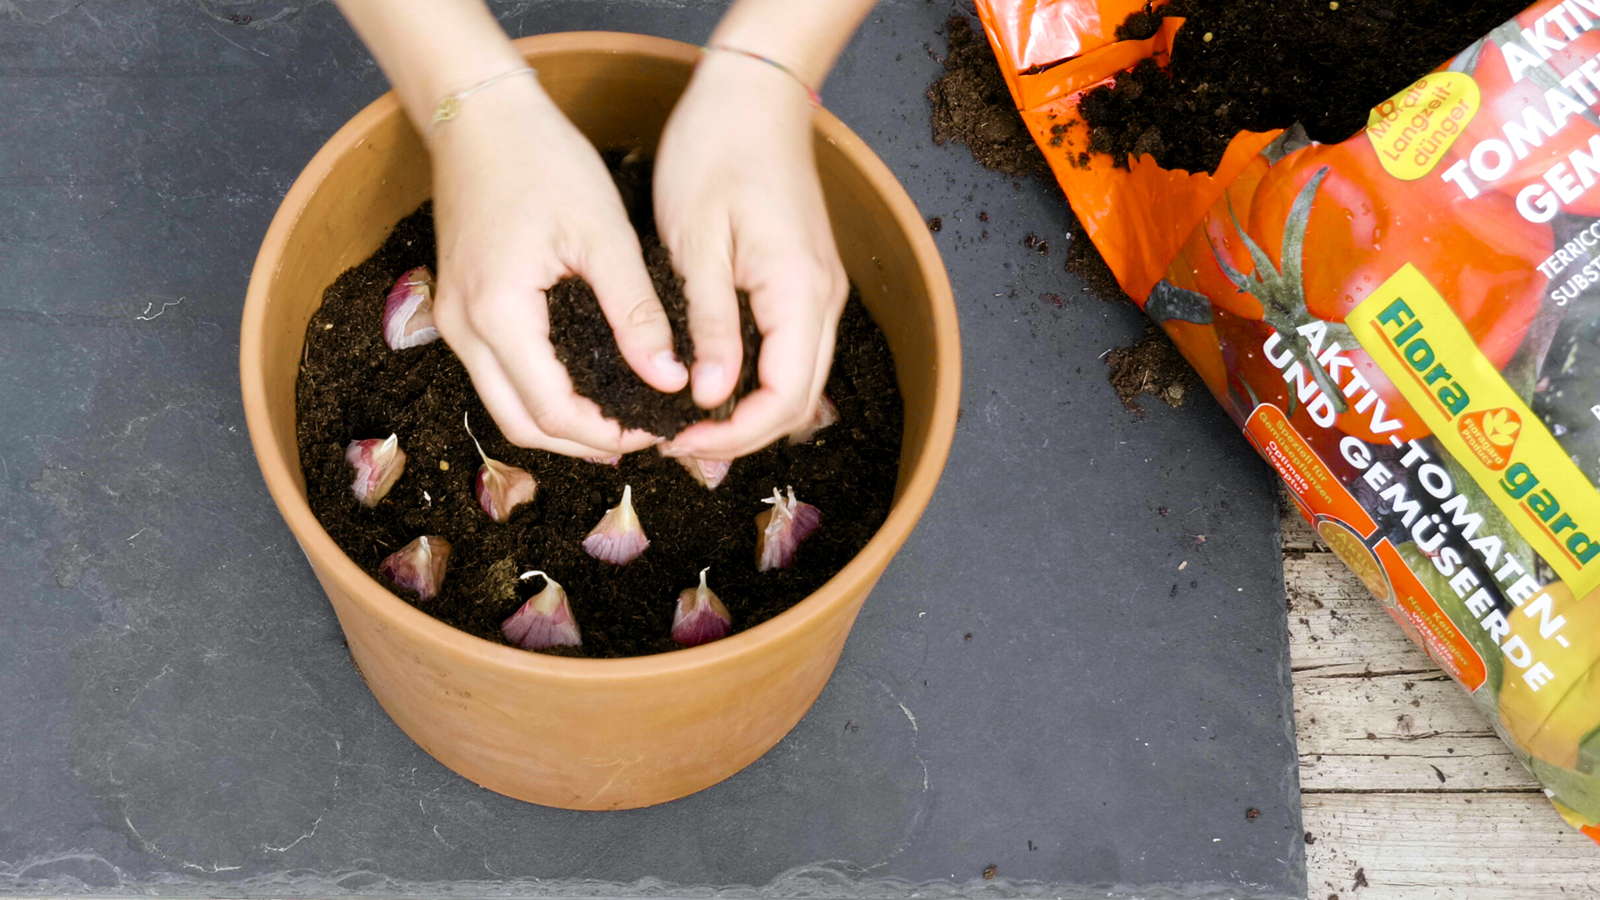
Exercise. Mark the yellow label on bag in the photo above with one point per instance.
(1419, 343)
(1412, 130)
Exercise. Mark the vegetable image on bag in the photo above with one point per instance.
(1364, 225)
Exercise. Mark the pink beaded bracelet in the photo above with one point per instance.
(811, 92)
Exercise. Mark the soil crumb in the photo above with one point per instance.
(1153, 366)
(1258, 65)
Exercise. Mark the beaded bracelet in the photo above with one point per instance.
(811, 92)
(450, 106)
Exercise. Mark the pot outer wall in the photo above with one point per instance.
(592, 734)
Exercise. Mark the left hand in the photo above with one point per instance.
(739, 206)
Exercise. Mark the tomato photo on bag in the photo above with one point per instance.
(1196, 265)
(1480, 254)
(1365, 225)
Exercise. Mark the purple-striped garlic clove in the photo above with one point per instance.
(709, 472)
(612, 461)
(827, 414)
(500, 487)
(544, 621)
(700, 617)
(408, 312)
(619, 538)
(378, 463)
(781, 529)
(418, 566)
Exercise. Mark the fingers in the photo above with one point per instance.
(506, 408)
(614, 267)
(794, 324)
(531, 398)
(705, 261)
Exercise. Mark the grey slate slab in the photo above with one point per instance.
(180, 716)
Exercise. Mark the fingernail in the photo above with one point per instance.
(667, 364)
(711, 373)
(670, 450)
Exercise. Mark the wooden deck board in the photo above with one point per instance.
(1403, 781)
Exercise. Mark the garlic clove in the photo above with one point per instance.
(544, 621)
(418, 566)
(781, 529)
(500, 487)
(378, 463)
(709, 472)
(612, 461)
(408, 312)
(700, 617)
(827, 414)
(619, 538)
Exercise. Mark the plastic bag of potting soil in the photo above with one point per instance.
(1407, 327)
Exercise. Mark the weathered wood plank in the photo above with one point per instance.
(1470, 846)
(1376, 804)
(1336, 627)
(1399, 733)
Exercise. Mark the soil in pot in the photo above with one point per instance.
(1259, 65)
(352, 386)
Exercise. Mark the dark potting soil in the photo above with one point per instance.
(583, 341)
(352, 386)
(1151, 366)
(972, 106)
(1258, 65)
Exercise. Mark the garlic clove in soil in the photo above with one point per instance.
(709, 472)
(378, 463)
(408, 312)
(544, 621)
(827, 414)
(612, 461)
(618, 539)
(780, 530)
(418, 566)
(700, 617)
(500, 487)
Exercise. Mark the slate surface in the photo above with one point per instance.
(180, 716)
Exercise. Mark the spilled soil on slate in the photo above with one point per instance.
(972, 106)
(352, 387)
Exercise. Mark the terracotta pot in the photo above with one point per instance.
(577, 733)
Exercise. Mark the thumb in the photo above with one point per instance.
(615, 269)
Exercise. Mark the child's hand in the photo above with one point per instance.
(521, 201)
(739, 206)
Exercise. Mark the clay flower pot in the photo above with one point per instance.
(582, 733)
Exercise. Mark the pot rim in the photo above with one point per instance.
(916, 490)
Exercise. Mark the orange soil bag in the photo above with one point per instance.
(1407, 327)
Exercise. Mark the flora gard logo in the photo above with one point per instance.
(1415, 337)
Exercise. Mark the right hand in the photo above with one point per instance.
(521, 201)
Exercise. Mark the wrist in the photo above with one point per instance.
(467, 117)
(804, 37)
(749, 91)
